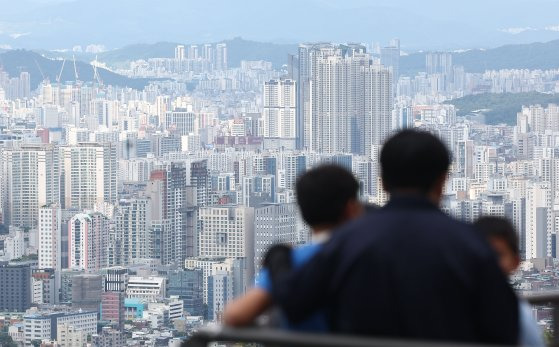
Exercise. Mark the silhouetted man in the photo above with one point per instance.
(407, 270)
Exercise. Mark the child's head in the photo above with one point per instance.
(328, 197)
(501, 235)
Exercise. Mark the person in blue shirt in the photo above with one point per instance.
(327, 197)
(503, 238)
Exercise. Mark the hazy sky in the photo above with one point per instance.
(58, 24)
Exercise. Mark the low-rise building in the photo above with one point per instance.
(112, 308)
(44, 325)
(17, 332)
(108, 337)
(68, 336)
(147, 289)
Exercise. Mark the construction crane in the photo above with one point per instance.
(75, 68)
(96, 76)
(61, 69)
(40, 70)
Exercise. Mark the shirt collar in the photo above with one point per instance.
(414, 201)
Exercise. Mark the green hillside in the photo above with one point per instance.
(15, 61)
(501, 108)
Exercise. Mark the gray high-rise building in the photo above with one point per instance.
(24, 85)
(221, 58)
(86, 292)
(188, 285)
(174, 214)
(390, 57)
(166, 144)
(438, 63)
(15, 287)
(133, 223)
(273, 223)
(345, 100)
(66, 283)
(200, 178)
(303, 77)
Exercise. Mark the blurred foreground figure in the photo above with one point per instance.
(501, 235)
(328, 197)
(407, 270)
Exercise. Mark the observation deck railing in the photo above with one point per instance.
(281, 338)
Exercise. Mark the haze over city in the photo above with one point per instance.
(62, 24)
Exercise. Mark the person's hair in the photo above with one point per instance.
(323, 193)
(500, 228)
(413, 159)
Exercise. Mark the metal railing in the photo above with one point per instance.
(281, 338)
(551, 299)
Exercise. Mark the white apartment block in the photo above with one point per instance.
(538, 220)
(14, 244)
(90, 175)
(181, 121)
(44, 326)
(30, 179)
(87, 241)
(227, 232)
(280, 107)
(50, 237)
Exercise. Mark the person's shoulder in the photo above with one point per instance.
(465, 236)
(303, 253)
(357, 225)
(460, 226)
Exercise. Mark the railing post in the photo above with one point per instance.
(555, 339)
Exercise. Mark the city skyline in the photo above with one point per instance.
(142, 185)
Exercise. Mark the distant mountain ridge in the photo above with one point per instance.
(532, 56)
(16, 61)
(521, 56)
(238, 49)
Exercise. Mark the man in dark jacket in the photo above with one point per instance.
(407, 270)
